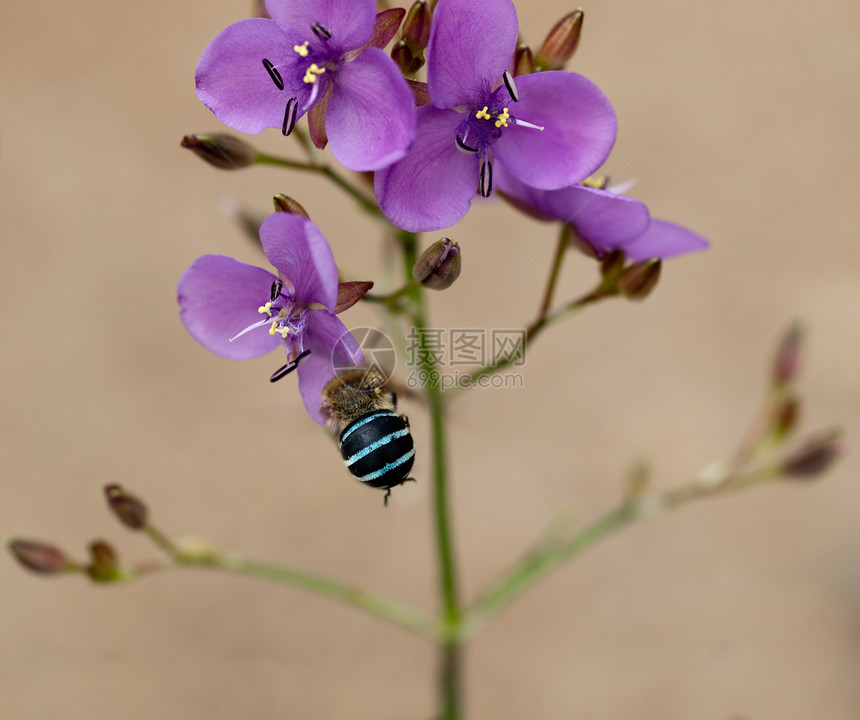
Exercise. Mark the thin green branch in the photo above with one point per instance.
(546, 560)
(394, 612)
(366, 202)
(382, 608)
(555, 270)
(531, 333)
(392, 301)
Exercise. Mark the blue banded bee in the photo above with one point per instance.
(374, 441)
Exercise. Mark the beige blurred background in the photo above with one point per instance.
(751, 605)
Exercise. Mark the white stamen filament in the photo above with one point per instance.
(315, 90)
(527, 124)
(261, 323)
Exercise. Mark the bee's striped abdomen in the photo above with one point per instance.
(377, 449)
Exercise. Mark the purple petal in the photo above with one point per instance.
(371, 114)
(296, 247)
(432, 186)
(471, 44)
(233, 83)
(350, 21)
(218, 298)
(606, 220)
(664, 240)
(579, 130)
(332, 347)
(524, 197)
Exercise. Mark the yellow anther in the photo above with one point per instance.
(282, 331)
(265, 309)
(311, 74)
(599, 182)
(483, 114)
(302, 49)
(503, 118)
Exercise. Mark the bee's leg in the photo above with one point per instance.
(387, 495)
(405, 419)
(394, 400)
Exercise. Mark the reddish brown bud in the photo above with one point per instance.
(439, 265)
(787, 357)
(524, 61)
(221, 150)
(785, 418)
(104, 565)
(612, 266)
(408, 60)
(416, 26)
(130, 511)
(40, 557)
(561, 42)
(814, 457)
(638, 280)
(286, 204)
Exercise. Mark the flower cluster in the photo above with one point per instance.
(433, 146)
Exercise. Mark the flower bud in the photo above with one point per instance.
(416, 26)
(221, 150)
(104, 565)
(40, 557)
(524, 61)
(409, 61)
(286, 204)
(787, 357)
(638, 280)
(439, 265)
(814, 458)
(561, 42)
(785, 418)
(130, 511)
(612, 266)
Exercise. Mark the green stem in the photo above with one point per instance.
(265, 159)
(538, 565)
(535, 567)
(380, 607)
(362, 198)
(162, 541)
(555, 270)
(392, 300)
(531, 333)
(450, 684)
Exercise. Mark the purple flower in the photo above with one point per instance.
(241, 312)
(262, 73)
(603, 220)
(550, 130)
